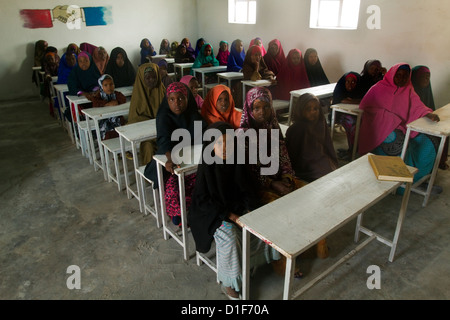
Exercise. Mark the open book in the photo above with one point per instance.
(390, 168)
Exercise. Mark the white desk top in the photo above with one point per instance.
(139, 131)
(170, 60)
(318, 91)
(348, 107)
(257, 83)
(300, 219)
(184, 65)
(231, 75)
(78, 99)
(192, 156)
(126, 91)
(210, 69)
(441, 128)
(107, 112)
(61, 87)
(36, 68)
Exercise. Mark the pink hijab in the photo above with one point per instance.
(186, 79)
(386, 108)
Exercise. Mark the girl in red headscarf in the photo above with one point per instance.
(292, 75)
(275, 57)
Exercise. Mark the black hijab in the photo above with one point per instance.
(316, 75)
(123, 76)
(340, 92)
(219, 189)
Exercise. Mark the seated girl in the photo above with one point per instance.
(193, 85)
(199, 45)
(67, 63)
(236, 58)
(348, 90)
(223, 54)
(173, 49)
(100, 58)
(292, 75)
(388, 107)
(182, 56)
(254, 67)
(420, 79)
(147, 51)
(190, 51)
(275, 57)
(177, 111)
(372, 72)
(309, 141)
(258, 42)
(314, 69)
(223, 192)
(83, 79)
(219, 106)
(148, 94)
(107, 96)
(120, 68)
(165, 78)
(205, 58)
(164, 47)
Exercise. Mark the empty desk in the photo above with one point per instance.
(230, 76)
(206, 70)
(250, 83)
(182, 66)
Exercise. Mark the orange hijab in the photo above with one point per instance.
(210, 113)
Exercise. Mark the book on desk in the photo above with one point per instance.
(390, 168)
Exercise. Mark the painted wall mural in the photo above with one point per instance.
(71, 15)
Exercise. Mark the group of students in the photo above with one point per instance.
(219, 192)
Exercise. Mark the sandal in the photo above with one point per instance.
(231, 293)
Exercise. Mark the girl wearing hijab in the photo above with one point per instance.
(205, 58)
(223, 192)
(223, 54)
(164, 47)
(177, 111)
(107, 96)
(292, 75)
(87, 47)
(199, 45)
(420, 79)
(101, 58)
(258, 115)
(120, 68)
(182, 56)
(254, 67)
(173, 49)
(72, 47)
(67, 63)
(258, 42)
(275, 57)
(372, 73)
(316, 74)
(219, 106)
(348, 90)
(190, 51)
(39, 51)
(388, 107)
(236, 58)
(193, 85)
(147, 51)
(83, 79)
(148, 93)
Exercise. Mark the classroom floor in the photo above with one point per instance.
(57, 212)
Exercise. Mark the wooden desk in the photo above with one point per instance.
(439, 129)
(182, 66)
(97, 114)
(299, 220)
(321, 92)
(135, 133)
(206, 70)
(194, 153)
(352, 109)
(230, 76)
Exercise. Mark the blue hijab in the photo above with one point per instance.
(235, 59)
(64, 69)
(146, 51)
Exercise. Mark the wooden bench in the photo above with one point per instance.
(299, 220)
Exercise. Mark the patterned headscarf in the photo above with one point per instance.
(177, 87)
(103, 94)
(247, 120)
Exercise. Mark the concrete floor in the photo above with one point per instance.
(57, 212)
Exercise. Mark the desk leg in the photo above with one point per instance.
(181, 186)
(100, 149)
(90, 141)
(355, 142)
(291, 102)
(434, 171)
(136, 166)
(159, 170)
(288, 276)
(76, 134)
(245, 264)
(401, 216)
(405, 143)
(333, 117)
(125, 166)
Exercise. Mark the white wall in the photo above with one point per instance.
(412, 31)
(132, 21)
